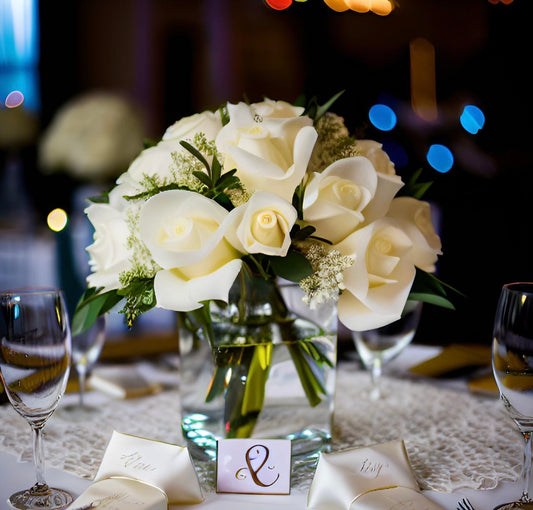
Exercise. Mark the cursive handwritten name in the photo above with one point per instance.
(135, 461)
(372, 468)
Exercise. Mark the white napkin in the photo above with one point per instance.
(121, 494)
(370, 478)
(153, 465)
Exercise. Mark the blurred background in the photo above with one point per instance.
(165, 59)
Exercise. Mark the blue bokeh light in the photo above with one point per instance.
(472, 119)
(382, 117)
(440, 158)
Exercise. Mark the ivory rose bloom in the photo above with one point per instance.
(374, 152)
(208, 123)
(262, 225)
(415, 218)
(269, 153)
(335, 199)
(109, 255)
(277, 109)
(184, 232)
(379, 281)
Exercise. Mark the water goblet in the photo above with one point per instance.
(35, 349)
(381, 345)
(512, 364)
(86, 349)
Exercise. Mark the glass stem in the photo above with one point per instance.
(526, 470)
(81, 381)
(375, 377)
(38, 454)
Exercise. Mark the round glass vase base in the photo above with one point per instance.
(306, 444)
(39, 498)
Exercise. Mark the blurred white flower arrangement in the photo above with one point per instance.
(93, 137)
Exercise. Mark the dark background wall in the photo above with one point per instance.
(176, 57)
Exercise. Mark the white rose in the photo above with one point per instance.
(109, 254)
(374, 152)
(415, 218)
(184, 232)
(156, 160)
(276, 109)
(270, 154)
(335, 200)
(379, 281)
(262, 225)
(208, 123)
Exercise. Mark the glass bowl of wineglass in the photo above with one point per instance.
(512, 364)
(381, 345)
(35, 350)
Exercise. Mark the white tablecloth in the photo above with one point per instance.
(458, 443)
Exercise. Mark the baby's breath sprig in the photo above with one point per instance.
(137, 283)
(326, 282)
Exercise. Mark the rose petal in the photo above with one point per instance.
(174, 292)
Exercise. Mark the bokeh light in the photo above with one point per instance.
(57, 220)
(472, 119)
(279, 5)
(14, 99)
(440, 158)
(382, 117)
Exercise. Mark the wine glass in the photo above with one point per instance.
(35, 349)
(512, 364)
(86, 348)
(379, 346)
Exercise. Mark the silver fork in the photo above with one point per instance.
(464, 505)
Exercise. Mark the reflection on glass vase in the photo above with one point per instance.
(379, 346)
(263, 366)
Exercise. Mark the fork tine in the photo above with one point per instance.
(464, 505)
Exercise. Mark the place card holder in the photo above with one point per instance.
(254, 466)
(141, 473)
(376, 477)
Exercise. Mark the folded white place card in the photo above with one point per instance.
(121, 494)
(254, 466)
(163, 465)
(376, 477)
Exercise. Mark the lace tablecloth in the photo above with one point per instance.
(454, 439)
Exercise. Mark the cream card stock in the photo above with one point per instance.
(163, 465)
(254, 466)
(377, 477)
(121, 494)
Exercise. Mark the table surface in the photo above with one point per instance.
(15, 474)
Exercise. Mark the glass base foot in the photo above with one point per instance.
(516, 505)
(41, 497)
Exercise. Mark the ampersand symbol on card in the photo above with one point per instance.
(256, 457)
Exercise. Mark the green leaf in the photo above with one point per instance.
(91, 305)
(322, 110)
(196, 153)
(293, 267)
(429, 289)
(413, 188)
(216, 170)
(203, 177)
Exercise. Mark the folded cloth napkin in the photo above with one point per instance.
(369, 478)
(122, 494)
(157, 468)
(452, 358)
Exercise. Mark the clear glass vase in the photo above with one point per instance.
(262, 366)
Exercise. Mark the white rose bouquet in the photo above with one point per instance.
(268, 190)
